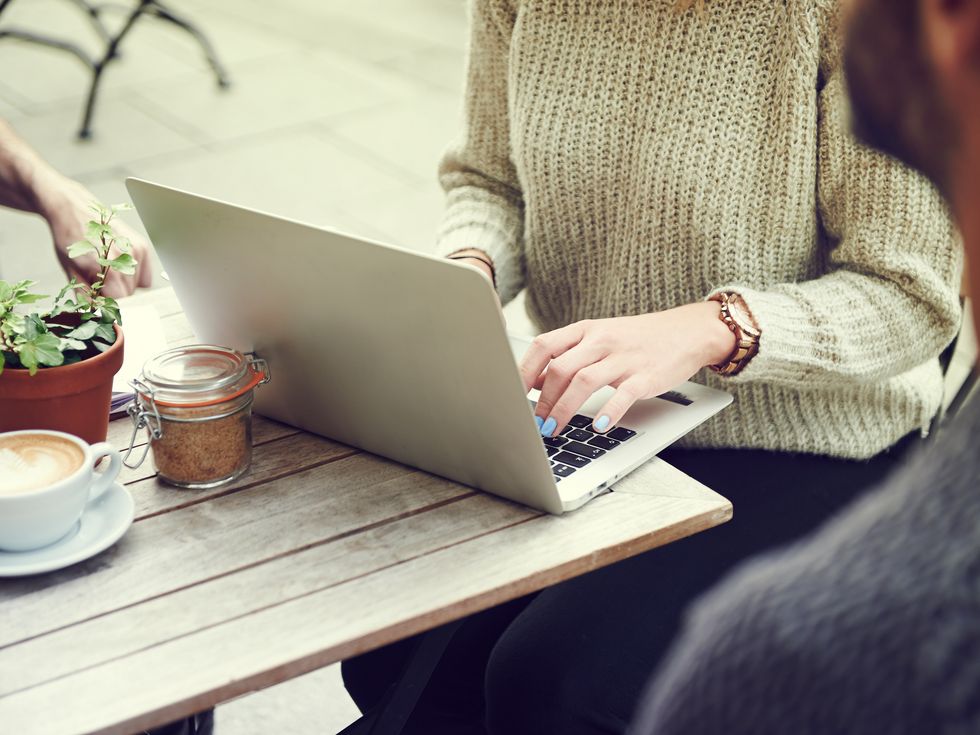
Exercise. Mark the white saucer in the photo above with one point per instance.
(101, 525)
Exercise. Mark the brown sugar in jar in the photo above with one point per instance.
(197, 401)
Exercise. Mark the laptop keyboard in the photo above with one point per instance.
(577, 445)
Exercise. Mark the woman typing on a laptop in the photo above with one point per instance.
(679, 195)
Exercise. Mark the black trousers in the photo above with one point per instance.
(573, 659)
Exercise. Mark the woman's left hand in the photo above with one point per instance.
(641, 356)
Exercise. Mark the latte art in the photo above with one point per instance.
(34, 461)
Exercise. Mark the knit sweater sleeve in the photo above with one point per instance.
(485, 208)
(888, 298)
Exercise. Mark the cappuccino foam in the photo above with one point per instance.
(35, 461)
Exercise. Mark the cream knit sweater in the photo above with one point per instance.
(619, 157)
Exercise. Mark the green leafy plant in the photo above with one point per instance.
(79, 323)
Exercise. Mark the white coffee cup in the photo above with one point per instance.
(46, 480)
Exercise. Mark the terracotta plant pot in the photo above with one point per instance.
(71, 398)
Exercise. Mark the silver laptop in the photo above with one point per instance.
(398, 353)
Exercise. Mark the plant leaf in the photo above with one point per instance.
(60, 329)
(70, 286)
(43, 350)
(121, 207)
(28, 358)
(19, 293)
(85, 331)
(64, 302)
(11, 325)
(34, 327)
(124, 263)
(49, 350)
(111, 311)
(80, 248)
(95, 230)
(66, 307)
(73, 344)
(100, 346)
(105, 332)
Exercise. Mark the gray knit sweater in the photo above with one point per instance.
(622, 158)
(872, 626)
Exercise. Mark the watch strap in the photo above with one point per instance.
(746, 337)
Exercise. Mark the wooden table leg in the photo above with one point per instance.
(392, 713)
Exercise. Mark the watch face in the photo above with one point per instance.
(741, 316)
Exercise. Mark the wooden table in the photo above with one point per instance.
(320, 552)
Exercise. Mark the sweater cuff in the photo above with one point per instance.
(789, 345)
(486, 222)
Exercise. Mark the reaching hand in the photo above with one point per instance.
(29, 183)
(641, 356)
(68, 208)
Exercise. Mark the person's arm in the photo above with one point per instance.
(19, 164)
(766, 654)
(867, 625)
(31, 184)
(889, 300)
(484, 206)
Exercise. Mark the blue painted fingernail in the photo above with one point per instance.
(549, 427)
(538, 420)
(602, 423)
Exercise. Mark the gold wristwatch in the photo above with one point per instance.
(737, 318)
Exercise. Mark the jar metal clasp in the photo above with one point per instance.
(259, 366)
(143, 416)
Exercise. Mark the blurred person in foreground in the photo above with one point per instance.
(872, 625)
(31, 184)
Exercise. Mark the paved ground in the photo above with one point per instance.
(337, 116)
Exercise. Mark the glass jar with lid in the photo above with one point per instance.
(196, 403)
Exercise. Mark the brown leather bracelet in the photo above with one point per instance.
(486, 261)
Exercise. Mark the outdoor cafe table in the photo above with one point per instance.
(318, 553)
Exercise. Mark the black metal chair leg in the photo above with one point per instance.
(92, 12)
(54, 43)
(85, 132)
(164, 13)
(392, 713)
